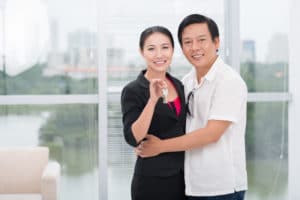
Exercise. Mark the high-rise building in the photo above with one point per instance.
(80, 58)
(278, 50)
(248, 53)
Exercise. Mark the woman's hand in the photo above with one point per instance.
(156, 86)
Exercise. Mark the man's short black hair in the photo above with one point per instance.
(198, 19)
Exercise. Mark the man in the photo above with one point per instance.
(215, 164)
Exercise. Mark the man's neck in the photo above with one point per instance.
(202, 71)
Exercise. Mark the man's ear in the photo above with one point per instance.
(217, 42)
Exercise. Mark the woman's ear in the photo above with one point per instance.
(141, 52)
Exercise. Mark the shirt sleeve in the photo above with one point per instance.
(131, 110)
(229, 100)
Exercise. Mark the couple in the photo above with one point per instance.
(190, 142)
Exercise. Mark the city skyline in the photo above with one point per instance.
(123, 26)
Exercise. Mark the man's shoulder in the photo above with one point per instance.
(229, 76)
(228, 73)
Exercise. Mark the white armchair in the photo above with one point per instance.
(26, 174)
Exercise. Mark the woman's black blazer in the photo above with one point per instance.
(165, 124)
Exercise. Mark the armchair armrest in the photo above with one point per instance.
(50, 181)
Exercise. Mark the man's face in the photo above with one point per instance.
(198, 46)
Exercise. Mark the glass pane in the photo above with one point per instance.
(121, 156)
(267, 151)
(48, 48)
(264, 52)
(70, 132)
(124, 24)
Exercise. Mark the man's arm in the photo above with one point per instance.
(200, 137)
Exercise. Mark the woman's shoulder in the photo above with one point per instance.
(137, 83)
(174, 79)
(131, 86)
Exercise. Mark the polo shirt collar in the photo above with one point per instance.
(211, 74)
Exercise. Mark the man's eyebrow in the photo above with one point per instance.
(199, 36)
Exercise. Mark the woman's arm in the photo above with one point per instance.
(141, 126)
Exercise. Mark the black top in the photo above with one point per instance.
(165, 124)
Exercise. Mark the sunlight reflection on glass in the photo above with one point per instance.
(26, 31)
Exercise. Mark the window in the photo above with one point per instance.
(49, 85)
(46, 50)
(264, 65)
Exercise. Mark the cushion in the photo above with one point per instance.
(21, 169)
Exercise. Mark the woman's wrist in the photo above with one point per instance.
(152, 101)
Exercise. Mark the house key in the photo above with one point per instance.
(165, 95)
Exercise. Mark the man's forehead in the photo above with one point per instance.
(190, 36)
(196, 29)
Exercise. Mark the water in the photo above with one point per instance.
(19, 131)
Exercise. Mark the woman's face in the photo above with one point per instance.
(157, 52)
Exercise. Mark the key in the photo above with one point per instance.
(165, 95)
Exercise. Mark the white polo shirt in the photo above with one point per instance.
(217, 168)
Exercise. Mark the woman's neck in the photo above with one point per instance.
(155, 75)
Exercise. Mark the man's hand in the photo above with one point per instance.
(150, 147)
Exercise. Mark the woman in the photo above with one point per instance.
(144, 111)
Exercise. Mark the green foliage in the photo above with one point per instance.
(267, 131)
(32, 81)
(71, 133)
(267, 178)
(261, 77)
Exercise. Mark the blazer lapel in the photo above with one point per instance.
(164, 108)
(180, 91)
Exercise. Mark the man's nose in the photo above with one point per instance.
(195, 45)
